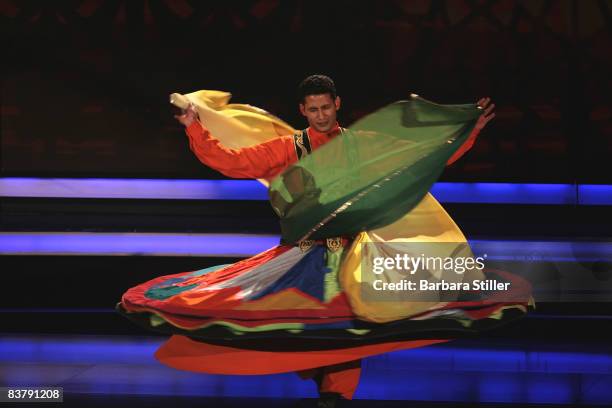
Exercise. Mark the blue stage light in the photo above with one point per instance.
(593, 194)
(134, 244)
(244, 245)
(482, 193)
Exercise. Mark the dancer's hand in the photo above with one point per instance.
(188, 116)
(488, 114)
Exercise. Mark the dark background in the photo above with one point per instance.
(85, 86)
(85, 83)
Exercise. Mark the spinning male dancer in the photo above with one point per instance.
(319, 103)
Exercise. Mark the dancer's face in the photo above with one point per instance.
(320, 111)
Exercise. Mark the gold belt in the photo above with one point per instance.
(333, 244)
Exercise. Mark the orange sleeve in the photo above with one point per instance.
(467, 145)
(264, 160)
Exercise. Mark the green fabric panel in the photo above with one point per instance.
(210, 269)
(157, 320)
(266, 327)
(372, 174)
(359, 332)
(331, 283)
(164, 293)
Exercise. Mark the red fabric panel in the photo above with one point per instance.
(182, 353)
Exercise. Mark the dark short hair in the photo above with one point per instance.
(316, 85)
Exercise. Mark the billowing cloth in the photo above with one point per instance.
(235, 126)
(297, 306)
(428, 223)
(374, 174)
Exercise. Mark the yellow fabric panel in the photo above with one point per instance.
(428, 222)
(285, 299)
(235, 125)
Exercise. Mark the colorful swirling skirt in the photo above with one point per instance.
(288, 309)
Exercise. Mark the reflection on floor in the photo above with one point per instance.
(464, 371)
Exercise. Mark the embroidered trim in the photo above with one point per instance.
(334, 244)
(305, 245)
(301, 143)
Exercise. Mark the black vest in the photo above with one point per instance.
(301, 143)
